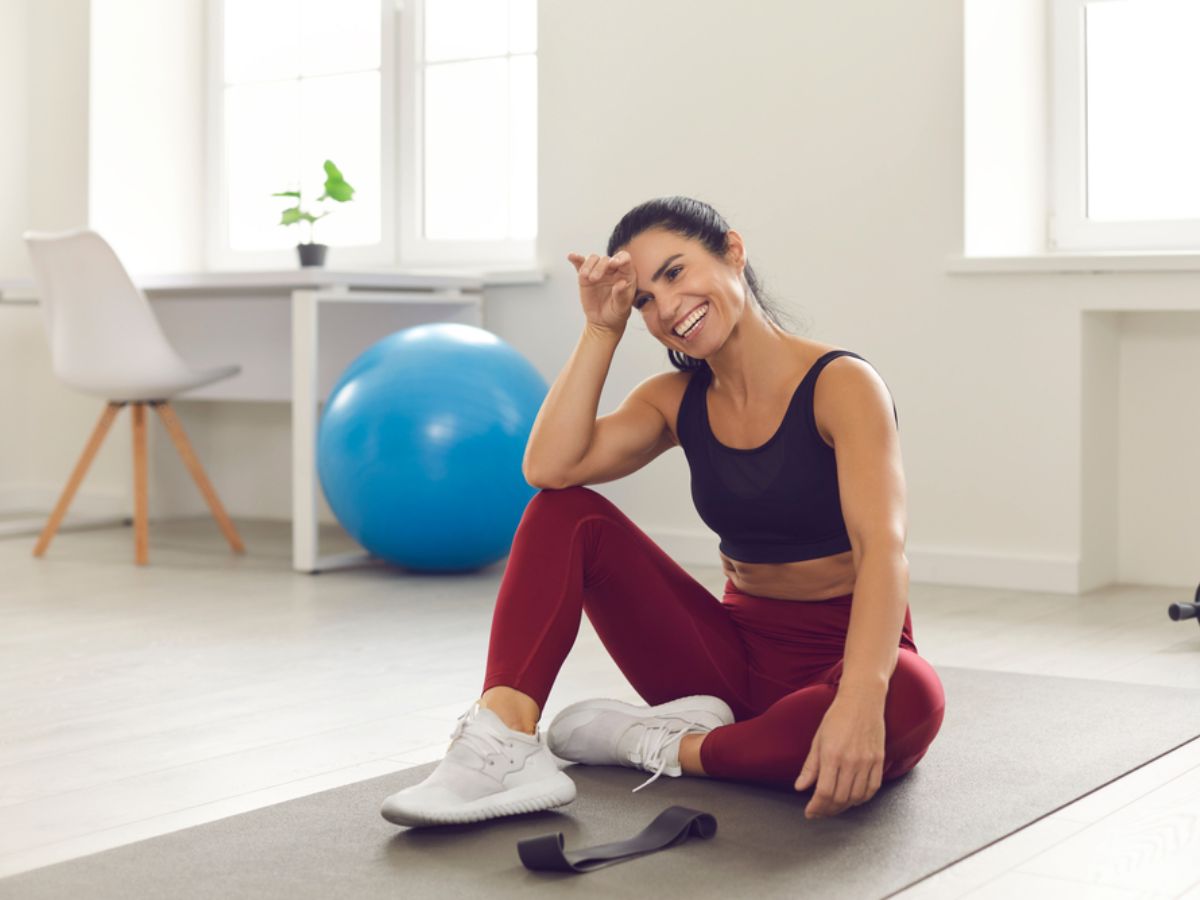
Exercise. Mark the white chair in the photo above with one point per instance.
(105, 340)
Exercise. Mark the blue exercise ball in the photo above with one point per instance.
(420, 444)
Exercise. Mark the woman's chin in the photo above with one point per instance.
(693, 352)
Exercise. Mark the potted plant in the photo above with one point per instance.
(336, 188)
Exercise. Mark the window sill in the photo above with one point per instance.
(517, 275)
(489, 274)
(1091, 263)
(22, 290)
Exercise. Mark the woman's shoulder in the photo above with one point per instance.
(809, 352)
(665, 392)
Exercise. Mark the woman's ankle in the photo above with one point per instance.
(689, 754)
(516, 710)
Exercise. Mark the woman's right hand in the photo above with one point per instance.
(607, 286)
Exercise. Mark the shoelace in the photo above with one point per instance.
(479, 735)
(652, 746)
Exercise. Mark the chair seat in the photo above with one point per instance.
(139, 386)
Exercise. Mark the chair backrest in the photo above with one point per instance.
(98, 321)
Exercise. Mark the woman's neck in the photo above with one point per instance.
(756, 360)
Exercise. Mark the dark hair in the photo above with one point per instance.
(692, 219)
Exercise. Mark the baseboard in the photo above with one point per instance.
(1016, 572)
(35, 500)
(1027, 572)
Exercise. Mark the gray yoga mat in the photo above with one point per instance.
(1012, 749)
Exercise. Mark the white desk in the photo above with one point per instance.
(270, 323)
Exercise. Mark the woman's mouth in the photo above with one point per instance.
(692, 325)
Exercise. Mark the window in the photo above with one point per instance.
(429, 108)
(470, 130)
(298, 82)
(1126, 141)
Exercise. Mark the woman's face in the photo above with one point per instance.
(678, 280)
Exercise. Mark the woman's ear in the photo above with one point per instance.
(737, 249)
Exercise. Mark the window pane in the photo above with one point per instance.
(262, 39)
(1143, 87)
(339, 120)
(466, 150)
(262, 156)
(522, 142)
(463, 29)
(339, 36)
(278, 137)
(522, 23)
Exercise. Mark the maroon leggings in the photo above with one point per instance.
(777, 663)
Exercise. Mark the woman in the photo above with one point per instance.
(795, 463)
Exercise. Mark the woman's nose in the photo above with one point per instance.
(669, 312)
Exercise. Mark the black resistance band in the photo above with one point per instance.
(673, 825)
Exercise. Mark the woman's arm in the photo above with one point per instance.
(562, 431)
(858, 412)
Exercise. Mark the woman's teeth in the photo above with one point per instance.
(691, 321)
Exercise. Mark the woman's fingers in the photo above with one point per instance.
(601, 268)
(585, 271)
(595, 266)
(623, 262)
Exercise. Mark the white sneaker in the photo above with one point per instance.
(489, 770)
(612, 733)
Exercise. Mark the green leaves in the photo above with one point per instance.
(295, 214)
(336, 188)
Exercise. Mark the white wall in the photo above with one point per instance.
(832, 137)
(48, 424)
(147, 113)
(14, 116)
(14, 211)
(1044, 445)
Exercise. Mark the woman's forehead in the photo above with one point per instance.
(649, 245)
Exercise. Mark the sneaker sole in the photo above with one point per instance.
(525, 799)
(700, 703)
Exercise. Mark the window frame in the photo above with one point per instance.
(415, 248)
(1069, 227)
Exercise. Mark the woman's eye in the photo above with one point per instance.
(671, 272)
(640, 302)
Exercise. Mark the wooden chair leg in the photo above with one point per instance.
(81, 467)
(175, 429)
(141, 538)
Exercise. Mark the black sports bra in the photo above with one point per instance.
(774, 503)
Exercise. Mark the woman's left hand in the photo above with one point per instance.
(846, 757)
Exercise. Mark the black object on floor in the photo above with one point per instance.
(1179, 611)
(672, 826)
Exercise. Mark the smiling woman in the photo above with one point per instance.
(690, 219)
(805, 672)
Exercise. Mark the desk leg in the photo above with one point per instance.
(304, 430)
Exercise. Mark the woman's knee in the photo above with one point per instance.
(915, 709)
(915, 691)
(565, 504)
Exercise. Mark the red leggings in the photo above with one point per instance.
(777, 663)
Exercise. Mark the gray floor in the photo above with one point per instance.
(137, 701)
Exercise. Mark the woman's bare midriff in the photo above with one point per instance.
(810, 579)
